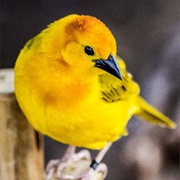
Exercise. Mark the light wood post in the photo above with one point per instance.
(21, 148)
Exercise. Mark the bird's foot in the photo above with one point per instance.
(98, 174)
(76, 166)
(72, 165)
(88, 173)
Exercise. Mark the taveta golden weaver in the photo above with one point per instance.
(72, 86)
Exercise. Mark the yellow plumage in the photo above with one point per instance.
(65, 96)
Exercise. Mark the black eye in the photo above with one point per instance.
(89, 51)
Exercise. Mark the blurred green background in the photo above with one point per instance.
(148, 39)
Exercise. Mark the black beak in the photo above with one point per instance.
(109, 65)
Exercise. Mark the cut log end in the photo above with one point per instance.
(7, 81)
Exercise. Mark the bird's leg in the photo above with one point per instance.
(95, 166)
(69, 152)
(100, 156)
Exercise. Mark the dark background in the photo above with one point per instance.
(148, 39)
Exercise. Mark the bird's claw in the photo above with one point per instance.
(99, 173)
(90, 174)
(58, 169)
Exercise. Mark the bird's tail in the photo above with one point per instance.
(152, 115)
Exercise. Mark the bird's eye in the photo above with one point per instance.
(89, 51)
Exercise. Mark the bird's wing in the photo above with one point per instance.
(113, 89)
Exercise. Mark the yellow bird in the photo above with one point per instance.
(72, 86)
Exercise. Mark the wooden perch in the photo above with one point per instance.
(21, 148)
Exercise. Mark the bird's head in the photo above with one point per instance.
(86, 45)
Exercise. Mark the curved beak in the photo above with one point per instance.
(109, 65)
